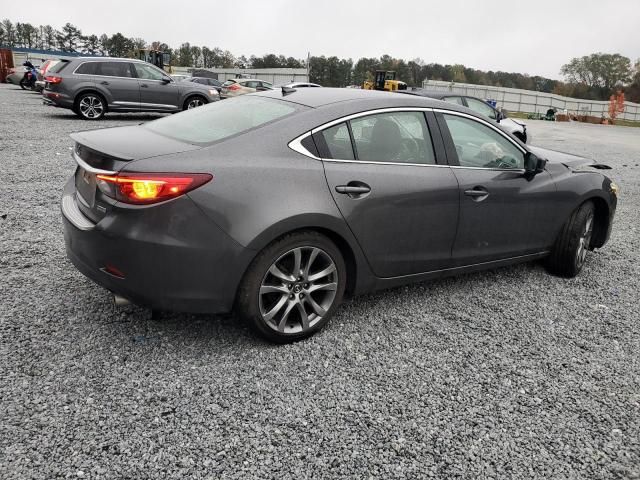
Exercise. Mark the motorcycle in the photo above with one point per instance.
(30, 76)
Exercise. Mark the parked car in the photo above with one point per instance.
(16, 74)
(518, 129)
(279, 203)
(299, 85)
(93, 86)
(212, 82)
(241, 86)
(42, 72)
(179, 77)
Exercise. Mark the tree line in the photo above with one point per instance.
(595, 76)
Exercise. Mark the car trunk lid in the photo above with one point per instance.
(106, 152)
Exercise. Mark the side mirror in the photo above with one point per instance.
(533, 164)
(498, 116)
(166, 79)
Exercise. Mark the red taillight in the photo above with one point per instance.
(53, 79)
(234, 86)
(146, 188)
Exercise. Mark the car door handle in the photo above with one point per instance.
(104, 82)
(477, 193)
(354, 189)
(144, 85)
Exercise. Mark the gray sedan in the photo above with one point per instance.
(280, 203)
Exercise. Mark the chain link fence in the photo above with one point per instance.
(528, 101)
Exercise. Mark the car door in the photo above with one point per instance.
(503, 212)
(399, 201)
(156, 93)
(119, 83)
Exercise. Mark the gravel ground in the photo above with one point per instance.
(504, 374)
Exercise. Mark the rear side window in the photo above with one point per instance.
(114, 69)
(58, 67)
(88, 68)
(220, 120)
(338, 142)
(401, 137)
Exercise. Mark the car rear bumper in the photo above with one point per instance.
(56, 99)
(171, 258)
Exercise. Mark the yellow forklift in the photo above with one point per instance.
(385, 80)
(156, 57)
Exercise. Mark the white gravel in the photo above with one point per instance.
(504, 374)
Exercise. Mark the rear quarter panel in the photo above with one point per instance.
(262, 190)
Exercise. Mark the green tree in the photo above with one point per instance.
(599, 71)
(9, 33)
(91, 45)
(185, 58)
(70, 38)
(117, 45)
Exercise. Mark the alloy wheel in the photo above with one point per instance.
(91, 106)
(194, 103)
(584, 241)
(298, 290)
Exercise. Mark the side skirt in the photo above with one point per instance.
(382, 283)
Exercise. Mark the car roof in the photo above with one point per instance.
(109, 59)
(319, 97)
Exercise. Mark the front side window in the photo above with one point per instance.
(401, 137)
(220, 120)
(338, 142)
(148, 72)
(481, 108)
(480, 146)
(114, 69)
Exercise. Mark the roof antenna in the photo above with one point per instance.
(287, 90)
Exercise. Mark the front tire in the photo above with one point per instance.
(194, 101)
(90, 106)
(293, 287)
(23, 84)
(570, 250)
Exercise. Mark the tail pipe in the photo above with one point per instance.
(120, 301)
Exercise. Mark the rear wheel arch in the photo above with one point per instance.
(344, 246)
(84, 91)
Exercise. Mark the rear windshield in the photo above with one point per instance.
(58, 66)
(221, 119)
(228, 82)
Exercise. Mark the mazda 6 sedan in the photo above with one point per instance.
(278, 204)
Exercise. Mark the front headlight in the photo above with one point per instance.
(213, 92)
(614, 188)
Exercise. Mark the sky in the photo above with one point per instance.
(535, 36)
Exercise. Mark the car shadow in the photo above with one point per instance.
(218, 332)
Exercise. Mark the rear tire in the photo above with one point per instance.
(90, 106)
(193, 102)
(23, 83)
(569, 253)
(283, 307)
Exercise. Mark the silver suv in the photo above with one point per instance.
(93, 86)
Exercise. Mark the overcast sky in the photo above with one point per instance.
(533, 36)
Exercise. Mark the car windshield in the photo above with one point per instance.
(220, 120)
